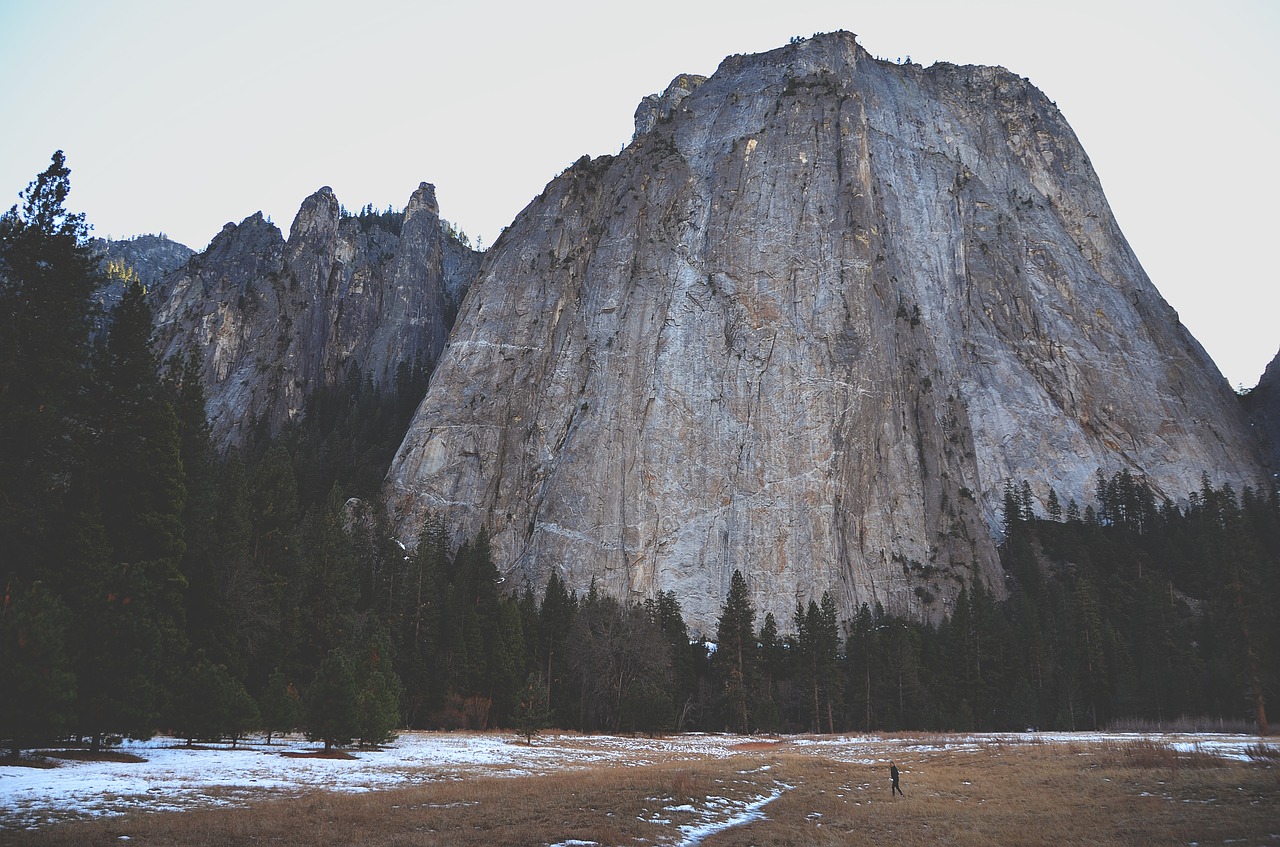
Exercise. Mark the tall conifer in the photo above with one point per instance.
(129, 630)
(47, 279)
(735, 659)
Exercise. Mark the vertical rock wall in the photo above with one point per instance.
(807, 324)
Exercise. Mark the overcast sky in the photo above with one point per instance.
(178, 117)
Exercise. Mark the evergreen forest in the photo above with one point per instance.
(152, 584)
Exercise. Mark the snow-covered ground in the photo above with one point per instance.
(846, 748)
(173, 777)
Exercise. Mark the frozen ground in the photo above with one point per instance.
(174, 777)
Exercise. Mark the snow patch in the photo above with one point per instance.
(694, 835)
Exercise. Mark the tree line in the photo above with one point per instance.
(151, 583)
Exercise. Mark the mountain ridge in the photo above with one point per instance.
(273, 318)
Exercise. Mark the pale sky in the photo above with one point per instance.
(178, 116)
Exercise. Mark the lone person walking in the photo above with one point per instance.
(893, 775)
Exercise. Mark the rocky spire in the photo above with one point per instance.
(275, 319)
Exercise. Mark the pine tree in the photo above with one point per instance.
(142, 479)
(378, 700)
(1026, 502)
(1053, 507)
(325, 593)
(826, 640)
(734, 664)
(419, 646)
(51, 530)
(211, 704)
(861, 652)
(129, 633)
(532, 710)
(47, 278)
(1011, 510)
(199, 710)
(903, 679)
(967, 652)
(243, 622)
(266, 580)
(555, 620)
(666, 612)
(808, 662)
(279, 706)
(529, 625)
(481, 633)
(243, 716)
(1090, 659)
(35, 673)
(1239, 595)
(775, 669)
(505, 660)
(209, 621)
(331, 706)
(380, 561)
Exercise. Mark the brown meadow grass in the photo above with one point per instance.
(1129, 793)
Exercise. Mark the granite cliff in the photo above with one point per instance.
(273, 318)
(1263, 403)
(807, 324)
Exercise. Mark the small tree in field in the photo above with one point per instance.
(379, 690)
(243, 716)
(211, 704)
(199, 711)
(533, 710)
(331, 706)
(378, 707)
(279, 706)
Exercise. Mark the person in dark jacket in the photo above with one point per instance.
(893, 775)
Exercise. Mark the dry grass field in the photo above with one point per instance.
(784, 793)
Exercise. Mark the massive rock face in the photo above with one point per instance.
(807, 324)
(273, 319)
